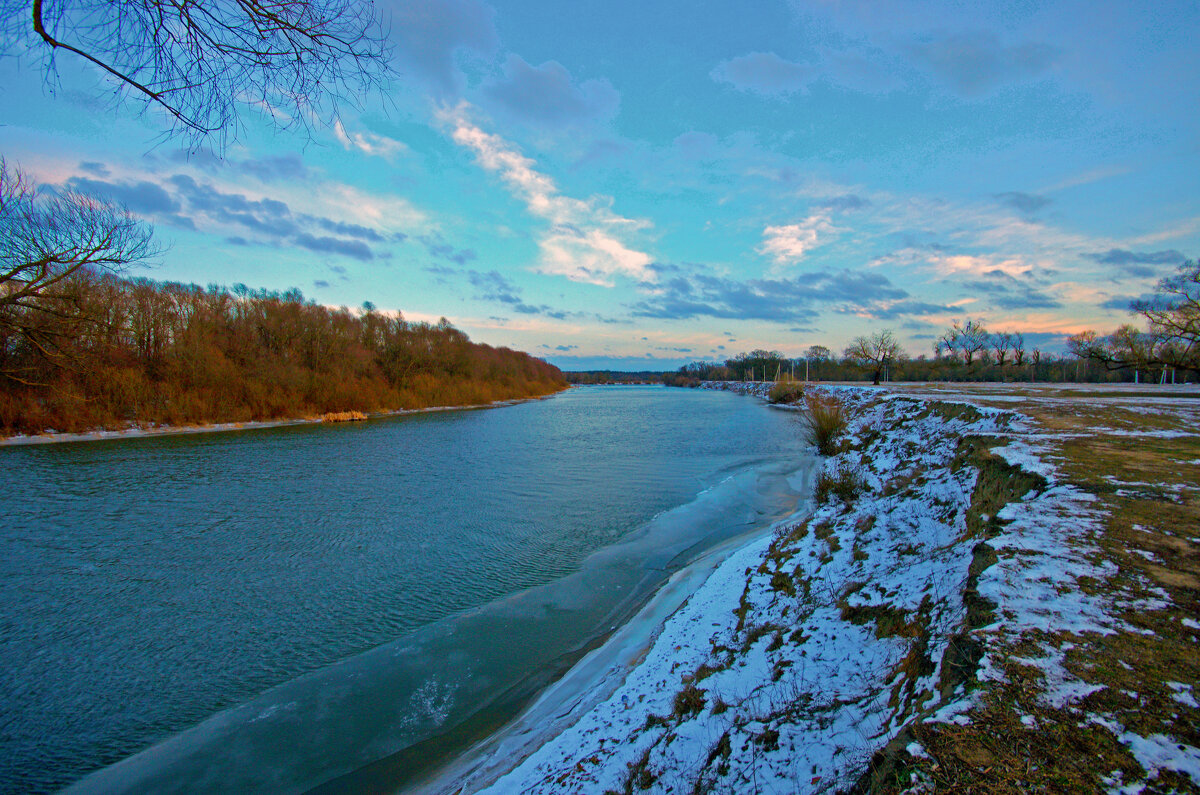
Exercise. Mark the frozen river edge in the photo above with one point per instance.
(804, 660)
(595, 677)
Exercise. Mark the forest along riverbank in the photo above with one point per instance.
(135, 431)
(941, 546)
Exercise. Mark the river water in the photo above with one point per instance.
(342, 608)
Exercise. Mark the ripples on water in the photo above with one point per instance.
(147, 584)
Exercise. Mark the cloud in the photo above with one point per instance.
(332, 245)
(268, 218)
(790, 300)
(1124, 303)
(95, 169)
(890, 310)
(140, 197)
(545, 95)
(320, 284)
(764, 73)
(265, 216)
(977, 265)
(1006, 292)
(845, 203)
(202, 159)
(972, 64)
(1137, 264)
(368, 142)
(789, 243)
(271, 169)
(583, 241)
(436, 245)
(429, 33)
(351, 230)
(494, 287)
(1027, 203)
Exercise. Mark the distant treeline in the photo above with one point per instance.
(617, 377)
(113, 351)
(1033, 366)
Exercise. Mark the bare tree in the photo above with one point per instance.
(290, 59)
(48, 243)
(1173, 338)
(874, 353)
(1018, 347)
(1001, 343)
(965, 341)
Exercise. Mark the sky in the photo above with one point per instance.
(631, 185)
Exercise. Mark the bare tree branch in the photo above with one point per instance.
(49, 246)
(293, 60)
(874, 352)
(1173, 338)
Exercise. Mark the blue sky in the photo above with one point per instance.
(633, 185)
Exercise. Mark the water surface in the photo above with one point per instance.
(294, 608)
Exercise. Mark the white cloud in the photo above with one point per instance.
(584, 241)
(977, 265)
(789, 243)
(369, 143)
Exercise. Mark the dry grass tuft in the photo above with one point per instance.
(825, 422)
(343, 416)
(844, 483)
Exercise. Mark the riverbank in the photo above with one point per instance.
(136, 432)
(594, 679)
(965, 606)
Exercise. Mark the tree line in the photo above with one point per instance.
(98, 350)
(821, 364)
(1167, 350)
(1170, 343)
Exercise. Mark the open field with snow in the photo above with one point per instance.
(998, 590)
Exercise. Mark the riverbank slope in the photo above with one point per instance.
(133, 431)
(981, 598)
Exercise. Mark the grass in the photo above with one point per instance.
(844, 483)
(688, 701)
(1145, 490)
(786, 392)
(343, 416)
(825, 422)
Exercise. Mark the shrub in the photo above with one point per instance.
(785, 392)
(844, 483)
(825, 422)
(688, 701)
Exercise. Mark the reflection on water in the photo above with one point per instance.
(355, 589)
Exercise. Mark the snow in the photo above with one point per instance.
(1159, 751)
(803, 654)
(1183, 694)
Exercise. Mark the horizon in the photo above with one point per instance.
(614, 187)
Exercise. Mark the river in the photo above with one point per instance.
(345, 607)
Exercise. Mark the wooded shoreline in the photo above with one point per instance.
(135, 352)
(54, 437)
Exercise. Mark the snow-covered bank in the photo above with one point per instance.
(804, 662)
(804, 653)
